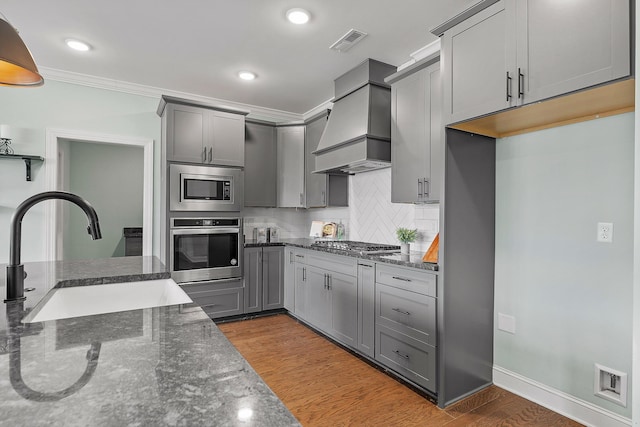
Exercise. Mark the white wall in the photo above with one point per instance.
(570, 295)
(64, 106)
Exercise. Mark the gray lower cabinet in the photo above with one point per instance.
(416, 142)
(405, 323)
(260, 165)
(289, 279)
(366, 307)
(290, 167)
(516, 52)
(201, 134)
(321, 190)
(218, 298)
(263, 279)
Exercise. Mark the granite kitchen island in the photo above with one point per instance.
(158, 366)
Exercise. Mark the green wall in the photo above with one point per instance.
(571, 296)
(30, 111)
(110, 177)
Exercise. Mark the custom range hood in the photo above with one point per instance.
(357, 137)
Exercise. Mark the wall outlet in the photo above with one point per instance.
(605, 232)
(507, 323)
(610, 384)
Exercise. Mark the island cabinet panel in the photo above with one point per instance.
(416, 142)
(263, 279)
(517, 52)
(366, 307)
(260, 165)
(204, 136)
(218, 298)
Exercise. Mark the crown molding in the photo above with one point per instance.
(257, 112)
(326, 105)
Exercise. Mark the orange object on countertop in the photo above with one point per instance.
(432, 253)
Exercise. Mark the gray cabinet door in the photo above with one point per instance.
(260, 165)
(315, 183)
(289, 279)
(252, 280)
(301, 290)
(566, 46)
(366, 307)
(290, 160)
(318, 299)
(344, 307)
(478, 58)
(272, 277)
(416, 148)
(186, 133)
(225, 138)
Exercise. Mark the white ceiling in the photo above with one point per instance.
(198, 46)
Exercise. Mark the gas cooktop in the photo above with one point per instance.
(357, 247)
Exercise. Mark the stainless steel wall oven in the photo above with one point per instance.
(205, 248)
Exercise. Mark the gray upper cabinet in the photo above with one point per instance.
(260, 163)
(321, 190)
(202, 134)
(478, 63)
(416, 148)
(290, 167)
(516, 52)
(566, 46)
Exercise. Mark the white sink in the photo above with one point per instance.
(64, 303)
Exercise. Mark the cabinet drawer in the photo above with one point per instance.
(330, 262)
(406, 312)
(192, 288)
(419, 281)
(225, 302)
(410, 358)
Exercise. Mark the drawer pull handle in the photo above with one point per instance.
(404, 356)
(299, 256)
(366, 265)
(401, 311)
(402, 278)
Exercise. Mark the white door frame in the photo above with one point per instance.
(53, 250)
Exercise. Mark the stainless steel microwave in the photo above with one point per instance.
(205, 188)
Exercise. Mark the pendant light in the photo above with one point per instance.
(17, 67)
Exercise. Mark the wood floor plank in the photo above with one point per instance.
(325, 385)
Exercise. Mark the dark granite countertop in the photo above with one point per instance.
(158, 366)
(413, 260)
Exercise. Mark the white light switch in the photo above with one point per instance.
(507, 323)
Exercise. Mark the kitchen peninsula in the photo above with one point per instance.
(158, 366)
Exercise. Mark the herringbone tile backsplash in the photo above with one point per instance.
(370, 217)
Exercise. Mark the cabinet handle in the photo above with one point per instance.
(426, 187)
(366, 265)
(204, 155)
(290, 257)
(404, 356)
(328, 282)
(520, 84)
(210, 154)
(299, 256)
(304, 274)
(301, 199)
(401, 311)
(419, 188)
(401, 278)
(324, 198)
(325, 282)
(508, 87)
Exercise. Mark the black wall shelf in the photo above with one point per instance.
(27, 161)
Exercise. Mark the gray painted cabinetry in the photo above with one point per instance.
(202, 135)
(290, 166)
(218, 298)
(289, 279)
(260, 163)
(516, 52)
(263, 279)
(416, 143)
(366, 307)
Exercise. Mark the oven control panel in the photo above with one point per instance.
(204, 222)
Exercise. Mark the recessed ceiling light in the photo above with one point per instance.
(77, 45)
(246, 75)
(298, 16)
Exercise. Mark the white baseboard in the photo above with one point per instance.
(558, 401)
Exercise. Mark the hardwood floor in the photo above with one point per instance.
(324, 385)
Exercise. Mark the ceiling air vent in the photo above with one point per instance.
(347, 41)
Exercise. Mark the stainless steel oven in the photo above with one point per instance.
(205, 248)
(205, 188)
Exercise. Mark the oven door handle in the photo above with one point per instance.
(204, 230)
